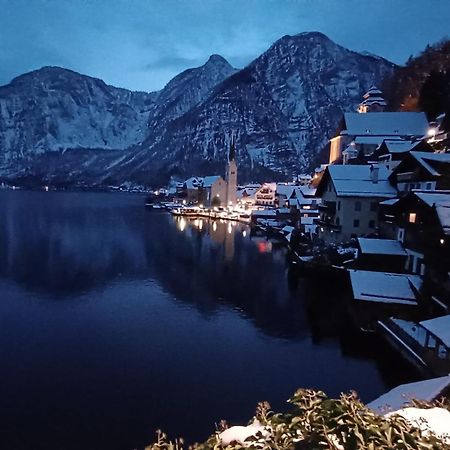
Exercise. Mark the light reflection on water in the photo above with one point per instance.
(116, 321)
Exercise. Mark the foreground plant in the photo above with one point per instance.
(315, 423)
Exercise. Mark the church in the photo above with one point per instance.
(361, 133)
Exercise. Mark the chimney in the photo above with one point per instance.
(374, 171)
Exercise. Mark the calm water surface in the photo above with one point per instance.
(116, 321)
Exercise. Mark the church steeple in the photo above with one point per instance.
(373, 101)
(232, 150)
(231, 175)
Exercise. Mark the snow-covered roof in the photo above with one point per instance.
(285, 189)
(443, 212)
(371, 140)
(306, 191)
(373, 90)
(434, 197)
(386, 124)
(400, 146)
(390, 202)
(356, 181)
(384, 287)
(381, 247)
(193, 182)
(426, 159)
(210, 180)
(440, 327)
(426, 390)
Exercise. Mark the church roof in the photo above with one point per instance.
(386, 124)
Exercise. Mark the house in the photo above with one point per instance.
(420, 220)
(246, 195)
(387, 255)
(392, 152)
(422, 170)
(425, 343)
(380, 295)
(266, 194)
(188, 190)
(350, 196)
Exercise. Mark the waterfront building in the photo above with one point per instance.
(421, 222)
(266, 194)
(425, 343)
(386, 255)
(213, 191)
(350, 196)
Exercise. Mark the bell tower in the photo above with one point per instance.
(231, 175)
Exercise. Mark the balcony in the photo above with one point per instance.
(327, 224)
(328, 207)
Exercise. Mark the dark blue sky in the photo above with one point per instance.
(141, 44)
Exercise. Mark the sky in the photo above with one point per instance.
(142, 44)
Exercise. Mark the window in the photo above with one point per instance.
(339, 205)
(373, 206)
(338, 222)
(428, 186)
(356, 223)
(357, 206)
(371, 223)
(412, 218)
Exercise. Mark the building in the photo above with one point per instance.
(373, 101)
(350, 196)
(420, 220)
(361, 133)
(425, 343)
(213, 191)
(231, 175)
(266, 194)
(387, 255)
(422, 170)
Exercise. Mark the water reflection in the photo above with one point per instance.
(155, 315)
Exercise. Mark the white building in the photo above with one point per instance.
(350, 197)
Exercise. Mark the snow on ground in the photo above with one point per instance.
(433, 420)
(240, 433)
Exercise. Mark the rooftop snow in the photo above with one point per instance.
(400, 146)
(440, 327)
(441, 198)
(381, 247)
(210, 180)
(285, 189)
(426, 159)
(443, 213)
(369, 140)
(427, 390)
(386, 124)
(384, 287)
(355, 181)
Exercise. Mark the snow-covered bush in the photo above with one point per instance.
(317, 422)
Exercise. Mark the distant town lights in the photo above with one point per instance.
(442, 241)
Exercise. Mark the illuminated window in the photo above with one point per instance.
(412, 218)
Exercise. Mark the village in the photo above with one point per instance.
(376, 217)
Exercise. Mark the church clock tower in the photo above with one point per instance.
(231, 175)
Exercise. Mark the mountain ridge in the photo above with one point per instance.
(282, 107)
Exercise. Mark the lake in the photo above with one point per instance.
(116, 320)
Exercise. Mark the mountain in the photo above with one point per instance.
(423, 83)
(55, 109)
(56, 124)
(282, 108)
